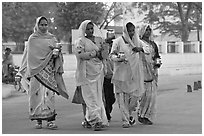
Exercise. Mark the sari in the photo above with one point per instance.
(147, 106)
(89, 75)
(128, 78)
(43, 74)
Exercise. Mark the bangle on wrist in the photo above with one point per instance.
(90, 54)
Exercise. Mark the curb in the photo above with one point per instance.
(7, 90)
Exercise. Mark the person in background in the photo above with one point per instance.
(147, 109)
(7, 61)
(107, 85)
(42, 67)
(90, 73)
(128, 77)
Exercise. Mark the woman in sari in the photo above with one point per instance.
(42, 68)
(90, 74)
(147, 107)
(128, 76)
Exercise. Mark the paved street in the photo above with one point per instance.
(178, 112)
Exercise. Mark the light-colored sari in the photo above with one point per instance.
(43, 75)
(147, 107)
(90, 75)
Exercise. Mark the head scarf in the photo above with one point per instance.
(38, 33)
(36, 27)
(135, 40)
(143, 30)
(82, 29)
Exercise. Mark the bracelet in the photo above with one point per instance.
(90, 55)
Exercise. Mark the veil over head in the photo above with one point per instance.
(37, 33)
(143, 29)
(36, 27)
(82, 29)
(135, 39)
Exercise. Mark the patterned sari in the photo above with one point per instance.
(43, 74)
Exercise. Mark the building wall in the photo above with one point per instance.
(188, 63)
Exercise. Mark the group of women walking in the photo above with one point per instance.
(128, 67)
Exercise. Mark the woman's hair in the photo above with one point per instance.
(42, 19)
(129, 24)
(90, 23)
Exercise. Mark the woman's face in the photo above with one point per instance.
(147, 32)
(89, 30)
(43, 25)
(131, 31)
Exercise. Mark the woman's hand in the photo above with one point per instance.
(121, 57)
(93, 54)
(137, 49)
(55, 52)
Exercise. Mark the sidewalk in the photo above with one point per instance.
(7, 90)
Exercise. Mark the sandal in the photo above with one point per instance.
(147, 121)
(38, 125)
(51, 125)
(125, 125)
(132, 121)
(86, 124)
(97, 126)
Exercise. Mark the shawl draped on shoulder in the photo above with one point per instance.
(37, 54)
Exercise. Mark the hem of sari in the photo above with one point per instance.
(49, 117)
(94, 121)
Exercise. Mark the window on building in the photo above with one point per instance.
(200, 46)
(172, 47)
(189, 47)
(160, 48)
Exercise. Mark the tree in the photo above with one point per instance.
(113, 12)
(176, 18)
(69, 15)
(18, 18)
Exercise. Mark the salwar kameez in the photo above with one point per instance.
(127, 75)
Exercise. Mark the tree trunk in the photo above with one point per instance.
(197, 25)
(184, 21)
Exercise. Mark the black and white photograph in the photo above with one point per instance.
(101, 67)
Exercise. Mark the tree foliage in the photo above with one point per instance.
(113, 12)
(18, 18)
(69, 15)
(176, 18)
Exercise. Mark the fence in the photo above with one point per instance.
(180, 47)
